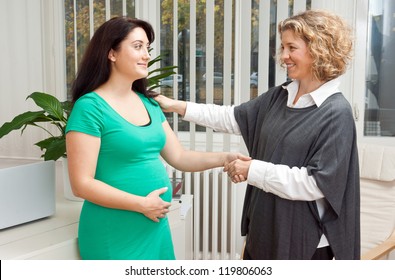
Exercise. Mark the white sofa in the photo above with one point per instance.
(377, 165)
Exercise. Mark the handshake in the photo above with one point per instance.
(237, 166)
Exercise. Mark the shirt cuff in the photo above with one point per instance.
(257, 173)
(191, 111)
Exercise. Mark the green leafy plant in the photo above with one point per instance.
(53, 112)
(156, 75)
(56, 113)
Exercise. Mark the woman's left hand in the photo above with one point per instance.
(154, 207)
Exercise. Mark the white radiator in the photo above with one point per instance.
(216, 213)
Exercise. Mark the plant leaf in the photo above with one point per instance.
(49, 103)
(154, 80)
(54, 147)
(166, 69)
(151, 88)
(27, 118)
(67, 106)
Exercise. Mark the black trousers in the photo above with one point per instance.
(324, 253)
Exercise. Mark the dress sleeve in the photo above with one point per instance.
(86, 117)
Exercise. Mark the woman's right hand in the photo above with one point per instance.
(154, 207)
(171, 105)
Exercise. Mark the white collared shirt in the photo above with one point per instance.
(289, 183)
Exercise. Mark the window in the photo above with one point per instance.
(380, 97)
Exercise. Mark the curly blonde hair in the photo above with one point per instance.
(328, 38)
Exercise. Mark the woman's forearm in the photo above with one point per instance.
(180, 107)
(95, 191)
(194, 161)
(102, 194)
(219, 118)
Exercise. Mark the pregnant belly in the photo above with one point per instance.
(139, 179)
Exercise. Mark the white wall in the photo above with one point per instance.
(27, 65)
(21, 69)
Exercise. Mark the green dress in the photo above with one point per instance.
(129, 160)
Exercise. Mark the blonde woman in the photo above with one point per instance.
(302, 199)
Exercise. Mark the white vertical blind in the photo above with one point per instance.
(75, 38)
(196, 216)
(209, 65)
(242, 51)
(282, 13)
(175, 58)
(124, 12)
(264, 51)
(224, 220)
(108, 9)
(228, 46)
(299, 6)
(91, 19)
(192, 68)
(215, 216)
(205, 212)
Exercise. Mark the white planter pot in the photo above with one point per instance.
(27, 193)
(68, 193)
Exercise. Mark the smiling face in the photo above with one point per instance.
(131, 58)
(295, 56)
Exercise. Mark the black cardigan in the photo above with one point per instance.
(322, 139)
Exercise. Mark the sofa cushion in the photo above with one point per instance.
(377, 164)
(377, 212)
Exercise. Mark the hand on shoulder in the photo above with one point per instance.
(169, 105)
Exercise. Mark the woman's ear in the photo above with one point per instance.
(111, 55)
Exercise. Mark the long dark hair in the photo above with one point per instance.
(95, 67)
